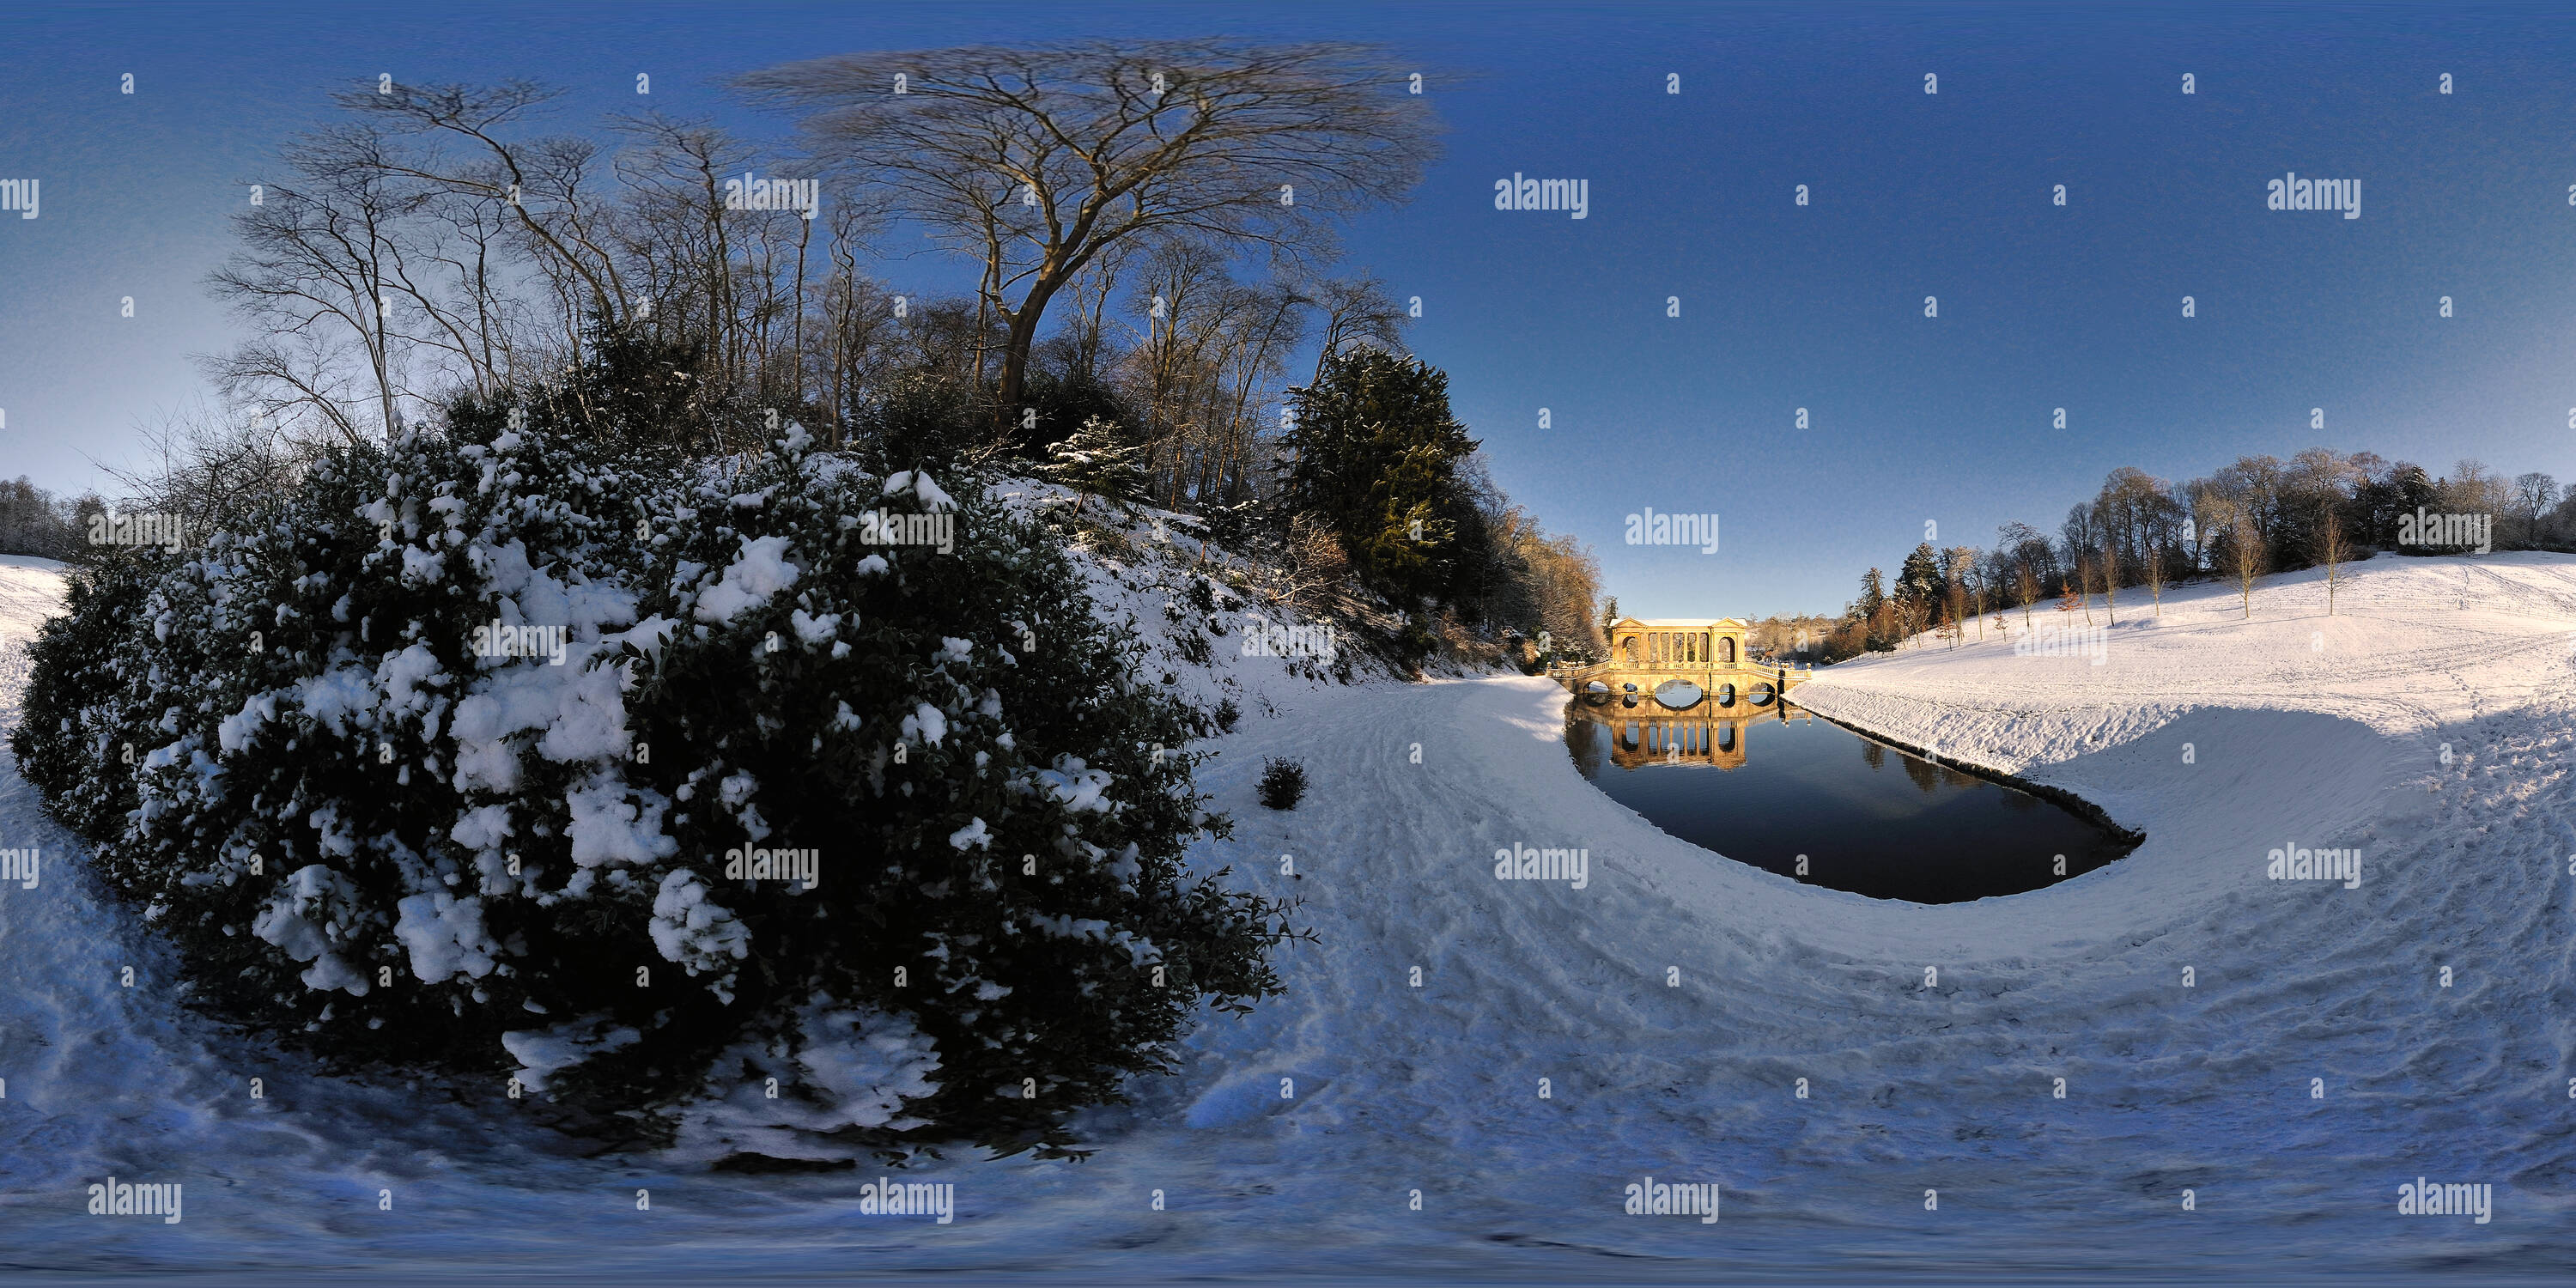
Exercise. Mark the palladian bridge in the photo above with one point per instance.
(1708, 653)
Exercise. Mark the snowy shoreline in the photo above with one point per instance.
(2064, 799)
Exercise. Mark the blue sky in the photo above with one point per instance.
(1948, 195)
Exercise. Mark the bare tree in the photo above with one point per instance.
(2153, 567)
(1356, 309)
(1037, 160)
(2111, 577)
(2026, 589)
(215, 471)
(2532, 495)
(323, 257)
(563, 227)
(2332, 544)
(1968, 590)
(1312, 563)
(2244, 552)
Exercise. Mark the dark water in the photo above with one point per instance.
(1773, 785)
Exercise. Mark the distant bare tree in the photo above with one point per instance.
(1037, 160)
(2154, 569)
(2244, 552)
(2335, 547)
(1967, 587)
(2026, 590)
(2532, 495)
(2111, 578)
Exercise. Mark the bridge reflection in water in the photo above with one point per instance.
(1710, 732)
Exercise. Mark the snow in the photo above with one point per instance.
(613, 823)
(748, 582)
(2304, 728)
(542, 1051)
(927, 723)
(445, 937)
(302, 922)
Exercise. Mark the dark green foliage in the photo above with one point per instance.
(1099, 459)
(368, 839)
(1064, 403)
(1919, 581)
(1283, 783)
(918, 421)
(1377, 455)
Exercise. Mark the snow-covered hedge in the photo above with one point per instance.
(637, 784)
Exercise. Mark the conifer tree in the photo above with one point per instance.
(1098, 460)
(1375, 452)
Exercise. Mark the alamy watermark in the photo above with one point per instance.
(1517, 193)
(2295, 193)
(2474, 531)
(113, 1199)
(2421, 1197)
(885, 1197)
(19, 866)
(804, 196)
(2092, 642)
(748, 864)
(20, 195)
(168, 531)
(1656, 529)
(1265, 638)
(498, 640)
(1676, 1198)
(2293, 863)
(1523, 863)
(886, 528)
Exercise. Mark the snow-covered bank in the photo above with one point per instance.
(1391, 1088)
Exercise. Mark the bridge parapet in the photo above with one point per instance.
(1708, 676)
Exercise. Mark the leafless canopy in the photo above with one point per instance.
(1036, 160)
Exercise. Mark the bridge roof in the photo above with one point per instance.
(1672, 622)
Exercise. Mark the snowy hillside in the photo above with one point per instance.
(1296, 1139)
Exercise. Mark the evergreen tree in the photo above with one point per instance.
(1376, 453)
(1872, 594)
(1098, 460)
(1918, 586)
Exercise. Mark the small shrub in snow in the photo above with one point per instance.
(1283, 783)
(514, 756)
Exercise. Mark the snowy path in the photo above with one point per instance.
(1436, 1088)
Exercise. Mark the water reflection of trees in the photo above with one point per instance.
(1925, 774)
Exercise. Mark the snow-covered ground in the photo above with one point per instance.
(1296, 1139)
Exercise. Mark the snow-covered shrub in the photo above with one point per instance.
(916, 690)
(518, 757)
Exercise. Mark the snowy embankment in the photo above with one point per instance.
(1673, 1004)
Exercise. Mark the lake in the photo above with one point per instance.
(1776, 787)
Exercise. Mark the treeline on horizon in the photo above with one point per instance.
(1164, 326)
(2257, 515)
